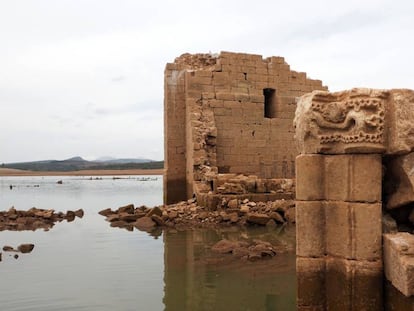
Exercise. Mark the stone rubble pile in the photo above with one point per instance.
(34, 218)
(252, 251)
(188, 214)
(22, 248)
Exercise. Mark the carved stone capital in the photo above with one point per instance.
(355, 121)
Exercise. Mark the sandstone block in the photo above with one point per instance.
(400, 121)
(367, 230)
(400, 178)
(336, 177)
(366, 178)
(399, 261)
(338, 229)
(309, 176)
(310, 229)
(339, 177)
(353, 285)
(353, 230)
(311, 290)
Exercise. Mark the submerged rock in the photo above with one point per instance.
(25, 248)
(144, 224)
(252, 251)
(33, 219)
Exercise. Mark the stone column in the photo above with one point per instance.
(338, 193)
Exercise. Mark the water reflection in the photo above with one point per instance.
(396, 301)
(197, 279)
(338, 284)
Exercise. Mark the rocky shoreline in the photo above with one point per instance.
(187, 215)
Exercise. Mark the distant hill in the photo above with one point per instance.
(77, 163)
(113, 160)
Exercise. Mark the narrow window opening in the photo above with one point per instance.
(269, 103)
(245, 75)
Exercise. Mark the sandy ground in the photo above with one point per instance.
(14, 172)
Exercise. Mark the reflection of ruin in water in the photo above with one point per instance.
(197, 279)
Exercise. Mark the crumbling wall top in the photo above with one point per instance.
(196, 61)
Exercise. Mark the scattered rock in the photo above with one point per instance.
(234, 217)
(252, 251)
(225, 246)
(129, 217)
(79, 213)
(158, 220)
(276, 217)
(144, 223)
(154, 211)
(70, 216)
(244, 209)
(172, 215)
(32, 219)
(233, 203)
(25, 248)
(188, 214)
(129, 209)
(258, 219)
(106, 212)
(7, 248)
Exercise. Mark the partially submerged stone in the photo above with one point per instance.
(25, 248)
(34, 218)
(187, 214)
(249, 250)
(144, 223)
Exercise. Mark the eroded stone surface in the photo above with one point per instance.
(399, 181)
(399, 261)
(355, 121)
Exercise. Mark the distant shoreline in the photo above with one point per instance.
(15, 172)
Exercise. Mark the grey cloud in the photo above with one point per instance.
(350, 21)
(118, 79)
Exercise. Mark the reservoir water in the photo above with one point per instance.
(87, 265)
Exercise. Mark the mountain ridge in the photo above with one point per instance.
(78, 163)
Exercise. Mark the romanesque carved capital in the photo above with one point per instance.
(343, 122)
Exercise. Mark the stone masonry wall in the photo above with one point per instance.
(343, 139)
(229, 113)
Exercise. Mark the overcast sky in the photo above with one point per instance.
(85, 77)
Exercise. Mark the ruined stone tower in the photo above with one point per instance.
(228, 126)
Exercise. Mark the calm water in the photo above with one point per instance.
(87, 265)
